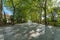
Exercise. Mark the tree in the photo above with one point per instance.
(4, 19)
(13, 10)
(24, 8)
(0, 12)
(30, 9)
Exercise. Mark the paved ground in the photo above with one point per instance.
(22, 32)
(1, 34)
(57, 37)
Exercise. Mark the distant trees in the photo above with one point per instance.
(24, 10)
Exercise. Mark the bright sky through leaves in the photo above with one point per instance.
(9, 12)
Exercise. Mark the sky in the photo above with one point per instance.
(9, 12)
(58, 0)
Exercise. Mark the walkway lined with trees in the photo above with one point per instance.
(39, 11)
(35, 17)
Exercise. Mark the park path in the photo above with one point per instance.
(57, 37)
(14, 33)
(1, 34)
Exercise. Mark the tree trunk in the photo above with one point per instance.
(0, 12)
(45, 12)
(45, 5)
(13, 10)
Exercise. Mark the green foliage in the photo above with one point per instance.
(4, 21)
(32, 9)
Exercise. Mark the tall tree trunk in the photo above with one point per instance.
(0, 12)
(5, 18)
(46, 28)
(45, 12)
(13, 10)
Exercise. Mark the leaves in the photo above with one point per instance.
(31, 9)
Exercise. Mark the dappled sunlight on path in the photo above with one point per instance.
(28, 32)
